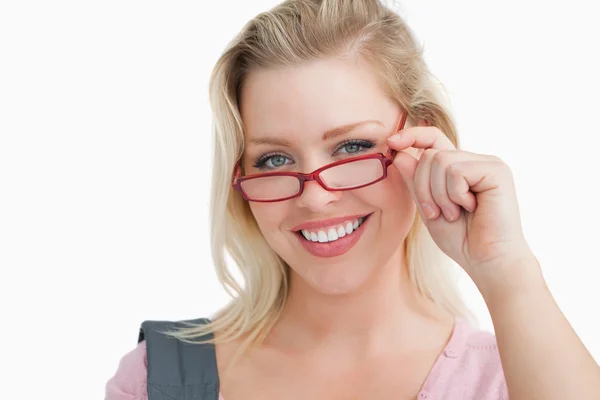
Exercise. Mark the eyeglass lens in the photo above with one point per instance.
(343, 176)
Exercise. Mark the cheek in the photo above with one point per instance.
(265, 214)
(398, 209)
(269, 217)
(392, 195)
(398, 189)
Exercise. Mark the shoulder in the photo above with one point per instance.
(469, 367)
(480, 358)
(129, 382)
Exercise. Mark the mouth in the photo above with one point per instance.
(332, 233)
(334, 240)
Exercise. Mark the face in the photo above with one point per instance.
(291, 116)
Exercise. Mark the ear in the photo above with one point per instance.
(423, 122)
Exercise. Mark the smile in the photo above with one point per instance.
(333, 240)
(333, 233)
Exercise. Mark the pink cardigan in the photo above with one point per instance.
(468, 368)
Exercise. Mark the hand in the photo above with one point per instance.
(467, 202)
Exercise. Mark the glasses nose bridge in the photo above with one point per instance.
(313, 176)
(316, 197)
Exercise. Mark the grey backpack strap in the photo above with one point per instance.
(179, 370)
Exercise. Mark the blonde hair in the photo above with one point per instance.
(293, 32)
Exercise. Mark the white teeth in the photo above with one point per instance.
(322, 237)
(349, 228)
(332, 234)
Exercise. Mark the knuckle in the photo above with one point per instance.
(496, 159)
(442, 157)
(454, 193)
(454, 171)
(507, 170)
(504, 167)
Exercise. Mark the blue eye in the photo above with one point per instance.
(272, 161)
(354, 146)
(276, 161)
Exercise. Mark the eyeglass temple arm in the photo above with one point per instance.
(237, 171)
(391, 153)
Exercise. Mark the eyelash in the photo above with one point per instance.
(364, 144)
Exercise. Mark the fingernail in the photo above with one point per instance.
(428, 211)
(395, 138)
(448, 213)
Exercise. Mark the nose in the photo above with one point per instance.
(315, 197)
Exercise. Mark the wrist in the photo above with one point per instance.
(509, 278)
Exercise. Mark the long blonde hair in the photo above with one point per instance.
(293, 32)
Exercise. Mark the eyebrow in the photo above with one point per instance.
(341, 130)
(271, 141)
(331, 133)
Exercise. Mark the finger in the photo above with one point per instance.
(407, 164)
(422, 185)
(482, 175)
(458, 187)
(449, 189)
(492, 182)
(423, 137)
(439, 184)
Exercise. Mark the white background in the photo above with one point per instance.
(105, 157)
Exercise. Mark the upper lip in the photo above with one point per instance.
(322, 223)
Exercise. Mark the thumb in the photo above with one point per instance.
(407, 165)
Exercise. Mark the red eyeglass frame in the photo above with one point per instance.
(386, 160)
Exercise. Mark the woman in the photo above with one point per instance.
(348, 192)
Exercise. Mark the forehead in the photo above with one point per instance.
(301, 101)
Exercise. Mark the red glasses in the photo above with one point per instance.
(349, 174)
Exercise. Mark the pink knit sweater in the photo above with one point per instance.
(468, 368)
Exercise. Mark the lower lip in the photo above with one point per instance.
(333, 249)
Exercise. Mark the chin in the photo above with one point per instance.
(336, 279)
